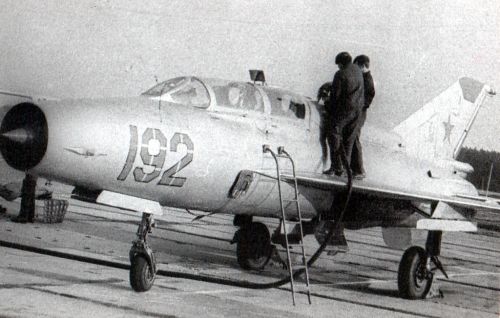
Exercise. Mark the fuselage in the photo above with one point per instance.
(186, 148)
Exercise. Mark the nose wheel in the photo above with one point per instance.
(142, 258)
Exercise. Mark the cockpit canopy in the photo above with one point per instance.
(181, 90)
(218, 94)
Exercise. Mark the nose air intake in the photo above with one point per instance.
(24, 136)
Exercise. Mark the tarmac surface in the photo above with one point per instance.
(360, 283)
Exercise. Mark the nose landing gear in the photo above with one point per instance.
(142, 258)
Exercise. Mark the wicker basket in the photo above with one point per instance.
(53, 211)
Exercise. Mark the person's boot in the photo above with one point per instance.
(332, 171)
(338, 243)
(329, 171)
(31, 214)
(21, 218)
(359, 176)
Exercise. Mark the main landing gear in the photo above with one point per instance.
(253, 249)
(417, 267)
(142, 258)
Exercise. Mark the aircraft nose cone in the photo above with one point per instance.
(24, 136)
(20, 135)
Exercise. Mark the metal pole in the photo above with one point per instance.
(489, 179)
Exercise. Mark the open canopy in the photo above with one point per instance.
(206, 92)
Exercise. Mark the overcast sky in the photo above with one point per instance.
(116, 48)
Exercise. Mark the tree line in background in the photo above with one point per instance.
(482, 160)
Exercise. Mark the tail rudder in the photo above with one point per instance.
(439, 128)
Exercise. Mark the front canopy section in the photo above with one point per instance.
(187, 90)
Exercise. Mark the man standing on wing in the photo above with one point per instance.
(345, 106)
(363, 62)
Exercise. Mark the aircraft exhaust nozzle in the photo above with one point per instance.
(24, 136)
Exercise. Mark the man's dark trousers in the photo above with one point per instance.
(27, 210)
(344, 133)
(357, 152)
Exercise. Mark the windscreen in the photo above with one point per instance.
(181, 90)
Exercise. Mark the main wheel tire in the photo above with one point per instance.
(414, 279)
(254, 246)
(141, 278)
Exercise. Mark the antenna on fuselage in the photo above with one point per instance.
(258, 76)
(159, 99)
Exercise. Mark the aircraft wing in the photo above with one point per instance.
(362, 186)
(479, 198)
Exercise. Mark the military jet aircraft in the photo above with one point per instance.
(203, 143)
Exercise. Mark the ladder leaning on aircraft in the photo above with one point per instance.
(293, 219)
(196, 143)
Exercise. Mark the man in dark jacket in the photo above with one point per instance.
(325, 124)
(363, 62)
(27, 210)
(346, 103)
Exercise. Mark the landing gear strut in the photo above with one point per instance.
(417, 267)
(142, 258)
(253, 241)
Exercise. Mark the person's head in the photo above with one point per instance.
(363, 62)
(324, 92)
(343, 59)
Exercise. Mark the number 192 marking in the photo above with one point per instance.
(153, 152)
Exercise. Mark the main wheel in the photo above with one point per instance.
(414, 279)
(254, 246)
(141, 278)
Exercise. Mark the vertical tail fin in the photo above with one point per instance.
(439, 128)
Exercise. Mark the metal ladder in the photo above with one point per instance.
(291, 220)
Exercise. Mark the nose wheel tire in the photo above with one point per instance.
(254, 246)
(142, 258)
(414, 275)
(141, 276)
